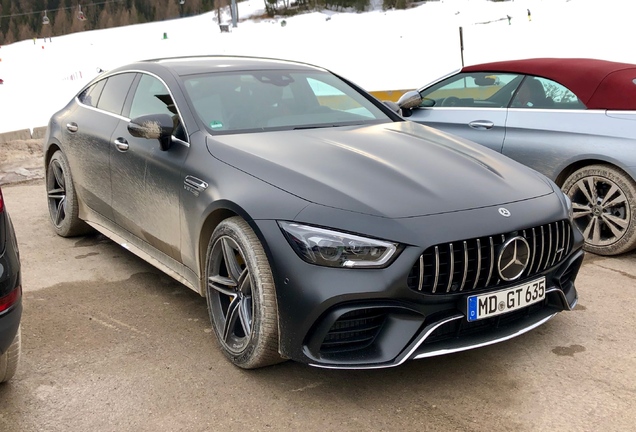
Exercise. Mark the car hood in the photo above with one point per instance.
(399, 169)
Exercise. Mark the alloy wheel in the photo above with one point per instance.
(230, 294)
(601, 210)
(56, 192)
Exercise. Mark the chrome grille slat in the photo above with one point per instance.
(564, 244)
(547, 259)
(534, 248)
(436, 268)
(492, 260)
(542, 248)
(478, 264)
(421, 280)
(456, 267)
(461, 287)
(557, 247)
(451, 261)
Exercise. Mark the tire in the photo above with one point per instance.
(62, 199)
(604, 201)
(10, 359)
(241, 296)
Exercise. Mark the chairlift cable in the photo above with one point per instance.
(55, 10)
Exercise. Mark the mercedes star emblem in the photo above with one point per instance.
(513, 258)
(504, 212)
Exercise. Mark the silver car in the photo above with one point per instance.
(573, 120)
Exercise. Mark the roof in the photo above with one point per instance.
(203, 64)
(599, 84)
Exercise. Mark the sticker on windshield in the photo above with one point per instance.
(215, 124)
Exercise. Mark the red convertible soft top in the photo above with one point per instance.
(599, 84)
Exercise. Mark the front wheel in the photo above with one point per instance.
(604, 201)
(241, 296)
(10, 359)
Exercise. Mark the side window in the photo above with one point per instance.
(472, 90)
(115, 91)
(152, 97)
(536, 92)
(90, 96)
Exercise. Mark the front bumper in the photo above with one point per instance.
(370, 318)
(397, 333)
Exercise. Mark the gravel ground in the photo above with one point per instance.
(21, 161)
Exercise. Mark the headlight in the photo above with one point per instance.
(337, 249)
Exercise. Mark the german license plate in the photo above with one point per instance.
(507, 300)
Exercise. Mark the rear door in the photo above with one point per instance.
(89, 128)
(470, 105)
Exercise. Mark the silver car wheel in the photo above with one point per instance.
(603, 201)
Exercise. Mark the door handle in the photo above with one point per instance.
(481, 124)
(71, 127)
(121, 144)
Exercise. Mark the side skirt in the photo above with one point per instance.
(143, 250)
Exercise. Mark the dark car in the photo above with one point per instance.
(570, 119)
(10, 297)
(321, 226)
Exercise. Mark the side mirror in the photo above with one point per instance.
(409, 100)
(153, 126)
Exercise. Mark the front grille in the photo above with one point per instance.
(354, 330)
(468, 265)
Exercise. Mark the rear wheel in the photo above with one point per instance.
(10, 359)
(62, 200)
(604, 201)
(241, 296)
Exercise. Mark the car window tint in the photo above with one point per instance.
(152, 97)
(332, 98)
(536, 92)
(114, 94)
(472, 90)
(90, 96)
(262, 100)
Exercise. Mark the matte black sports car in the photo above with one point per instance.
(10, 297)
(320, 226)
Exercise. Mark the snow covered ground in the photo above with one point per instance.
(379, 50)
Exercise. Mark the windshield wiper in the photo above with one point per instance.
(325, 126)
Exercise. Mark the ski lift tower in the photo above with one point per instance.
(234, 12)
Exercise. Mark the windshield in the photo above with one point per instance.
(277, 99)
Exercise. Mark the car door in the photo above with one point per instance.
(146, 181)
(470, 105)
(548, 127)
(88, 129)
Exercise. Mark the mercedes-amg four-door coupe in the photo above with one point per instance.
(319, 225)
